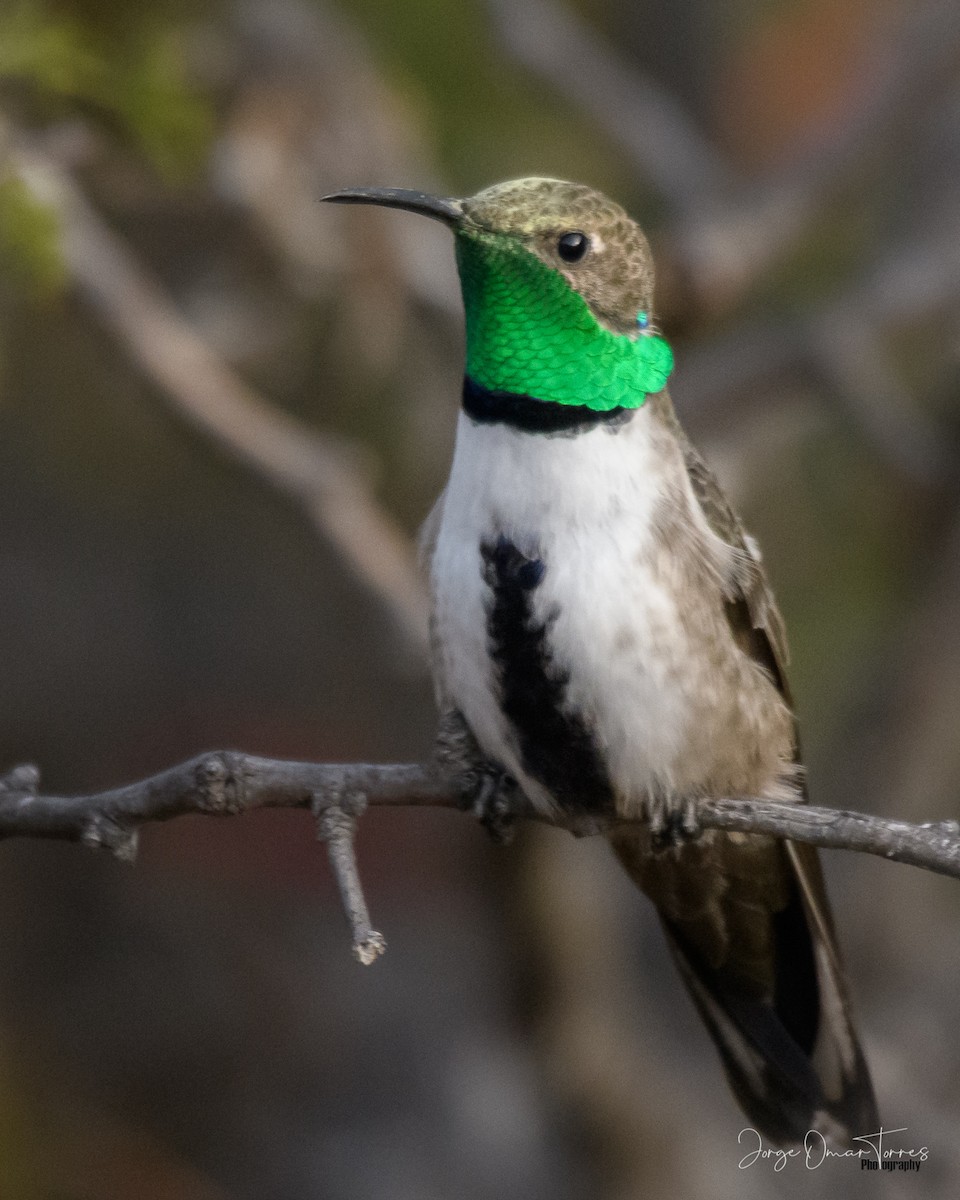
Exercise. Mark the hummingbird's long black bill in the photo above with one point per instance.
(438, 207)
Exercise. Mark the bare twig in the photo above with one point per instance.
(934, 845)
(204, 390)
(223, 783)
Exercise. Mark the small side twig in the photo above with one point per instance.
(337, 829)
(226, 782)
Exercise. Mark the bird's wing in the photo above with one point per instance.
(753, 614)
(748, 921)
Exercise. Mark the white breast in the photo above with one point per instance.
(586, 506)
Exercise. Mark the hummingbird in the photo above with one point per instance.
(605, 641)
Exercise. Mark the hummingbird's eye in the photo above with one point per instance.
(573, 246)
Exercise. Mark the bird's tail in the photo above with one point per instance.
(749, 928)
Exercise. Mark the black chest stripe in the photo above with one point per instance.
(536, 416)
(556, 747)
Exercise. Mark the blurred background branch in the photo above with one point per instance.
(727, 228)
(324, 477)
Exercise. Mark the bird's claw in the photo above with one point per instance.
(488, 794)
(674, 823)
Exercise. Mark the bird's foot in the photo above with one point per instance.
(488, 792)
(482, 786)
(674, 821)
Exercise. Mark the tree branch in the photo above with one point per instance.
(226, 782)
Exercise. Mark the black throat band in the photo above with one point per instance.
(536, 416)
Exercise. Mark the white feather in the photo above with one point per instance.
(586, 505)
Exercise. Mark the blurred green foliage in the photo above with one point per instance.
(120, 69)
(128, 73)
(29, 253)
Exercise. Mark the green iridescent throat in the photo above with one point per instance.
(530, 333)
